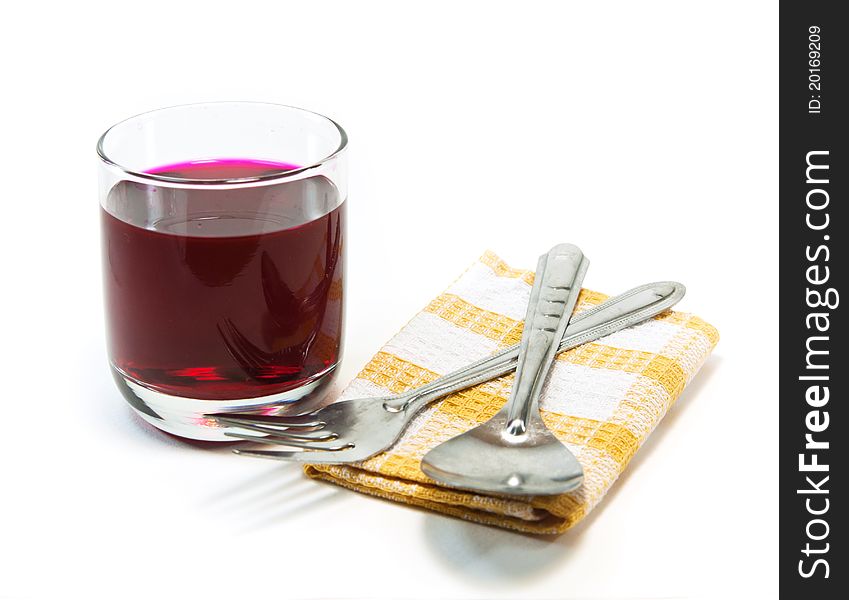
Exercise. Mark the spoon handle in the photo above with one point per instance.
(625, 310)
(557, 284)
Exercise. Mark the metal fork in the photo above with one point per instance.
(356, 429)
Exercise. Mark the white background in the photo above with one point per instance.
(645, 132)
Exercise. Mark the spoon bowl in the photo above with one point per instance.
(490, 459)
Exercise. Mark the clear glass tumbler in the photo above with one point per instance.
(223, 229)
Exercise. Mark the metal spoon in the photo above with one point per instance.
(514, 452)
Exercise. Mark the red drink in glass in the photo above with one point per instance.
(236, 297)
(223, 228)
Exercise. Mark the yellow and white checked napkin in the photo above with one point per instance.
(602, 399)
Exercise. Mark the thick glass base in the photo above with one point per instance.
(187, 417)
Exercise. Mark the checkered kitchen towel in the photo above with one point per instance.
(602, 399)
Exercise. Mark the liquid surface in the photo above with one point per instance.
(227, 168)
(224, 294)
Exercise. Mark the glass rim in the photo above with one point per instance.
(274, 176)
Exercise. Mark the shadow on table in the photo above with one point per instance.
(268, 495)
(489, 554)
(271, 497)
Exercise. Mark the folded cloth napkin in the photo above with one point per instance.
(602, 399)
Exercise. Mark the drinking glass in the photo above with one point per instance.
(223, 230)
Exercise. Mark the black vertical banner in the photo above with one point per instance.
(814, 221)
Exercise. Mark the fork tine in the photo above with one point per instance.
(298, 457)
(301, 421)
(318, 435)
(317, 446)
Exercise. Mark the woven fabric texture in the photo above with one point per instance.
(601, 399)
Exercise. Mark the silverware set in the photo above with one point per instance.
(512, 453)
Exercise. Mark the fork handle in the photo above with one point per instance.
(629, 308)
